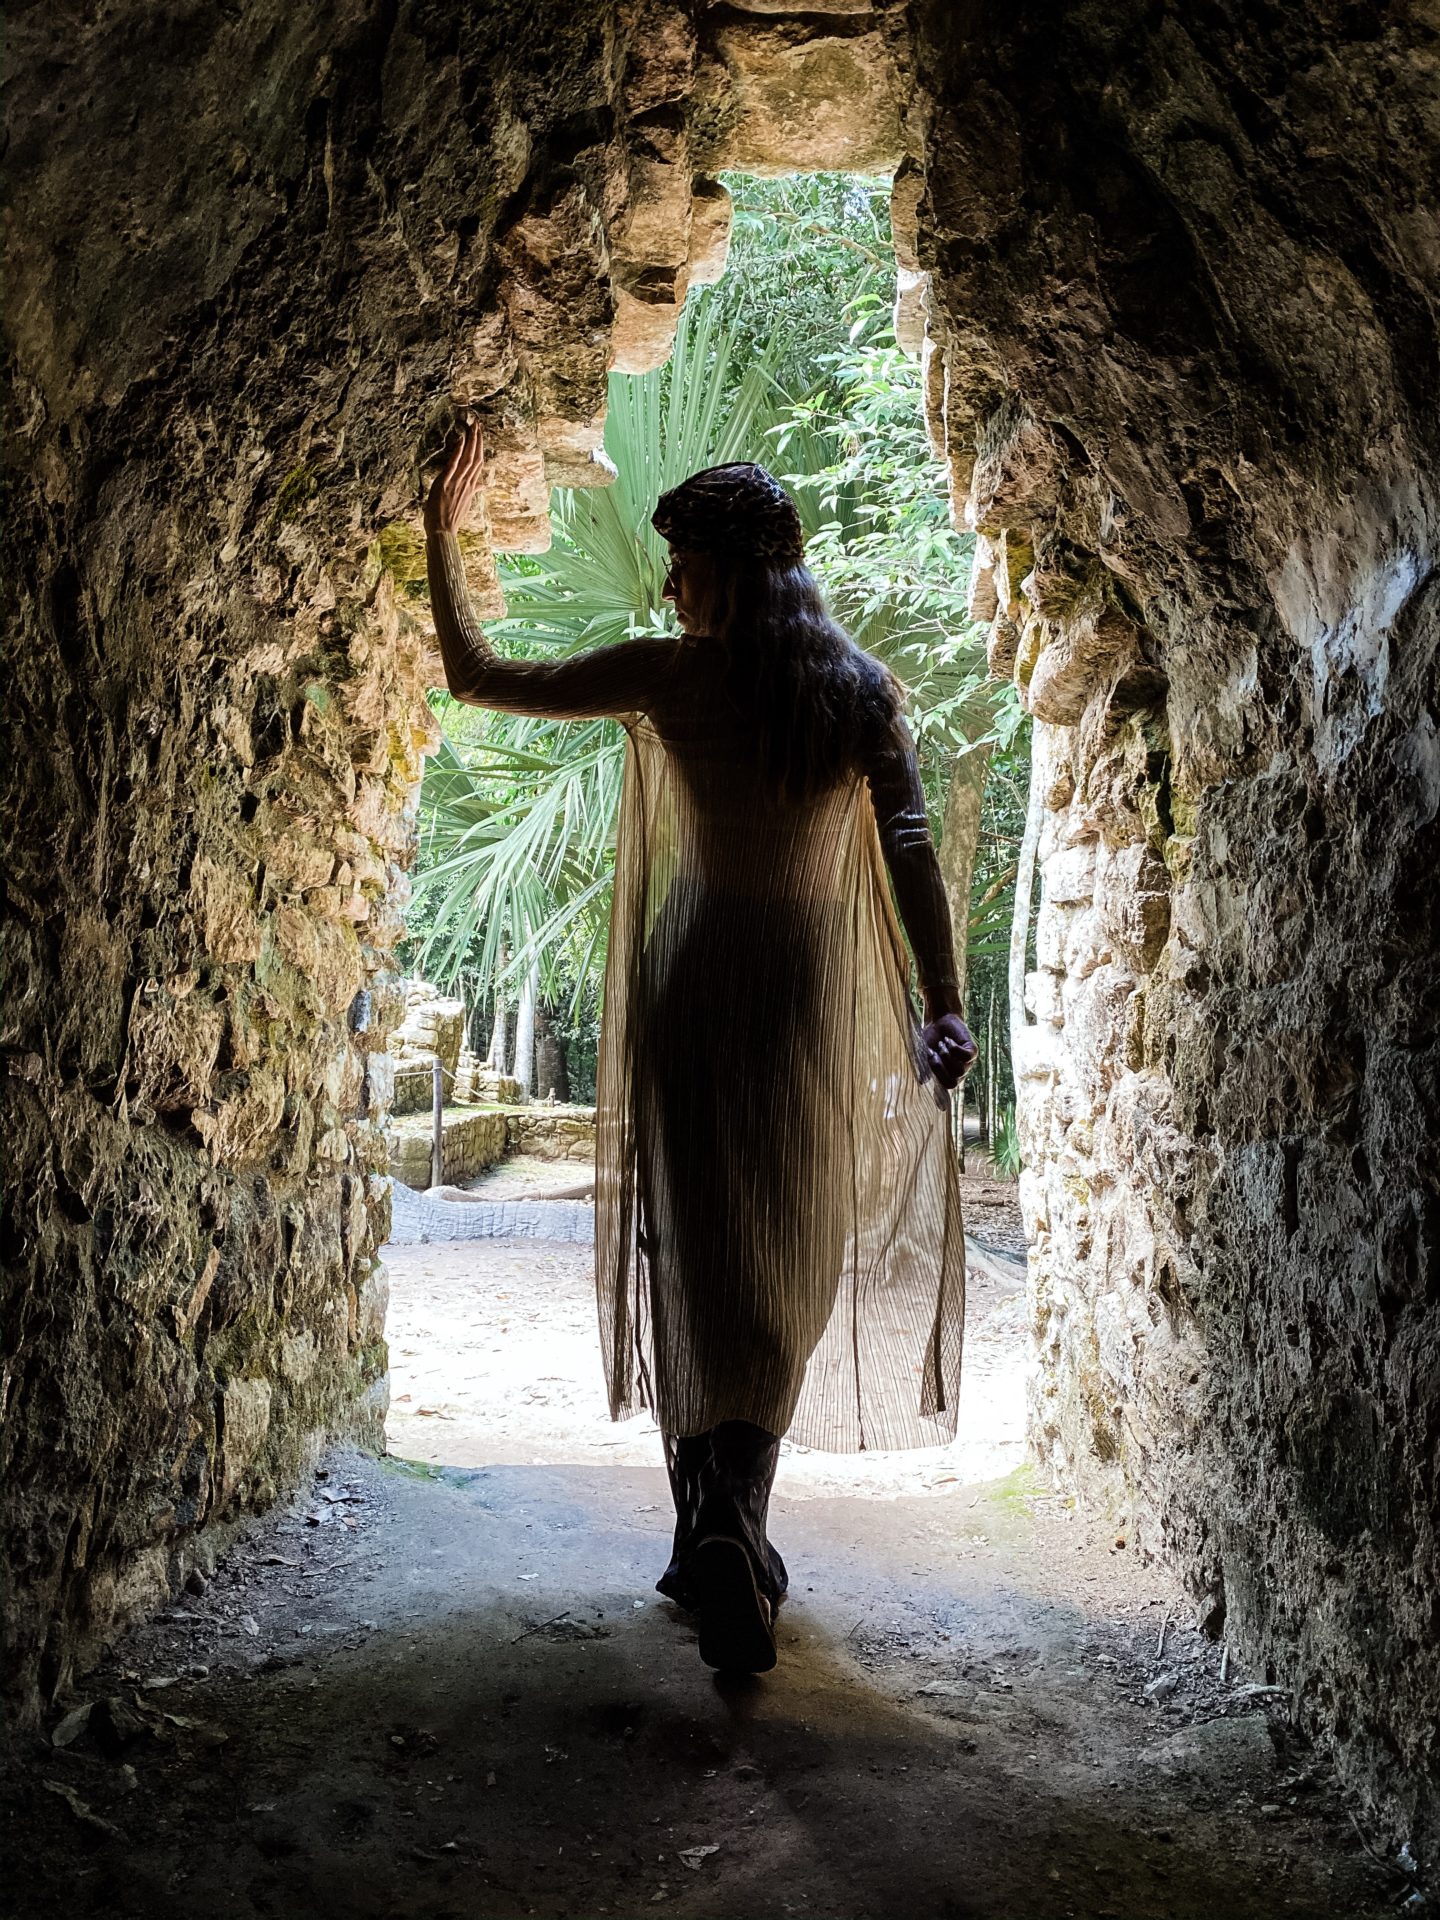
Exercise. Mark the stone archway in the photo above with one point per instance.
(1180, 362)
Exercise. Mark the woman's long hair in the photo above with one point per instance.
(813, 697)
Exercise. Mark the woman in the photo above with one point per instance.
(778, 1242)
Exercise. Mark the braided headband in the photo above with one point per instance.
(738, 509)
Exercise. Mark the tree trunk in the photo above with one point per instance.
(959, 839)
(525, 1030)
(496, 1057)
(474, 1010)
(551, 1069)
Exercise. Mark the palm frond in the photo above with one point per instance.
(518, 822)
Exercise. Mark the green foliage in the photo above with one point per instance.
(517, 846)
(1005, 1147)
(992, 905)
(804, 249)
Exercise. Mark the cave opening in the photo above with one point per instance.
(1175, 273)
(813, 337)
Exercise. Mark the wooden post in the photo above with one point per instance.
(437, 1105)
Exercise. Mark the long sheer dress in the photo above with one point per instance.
(778, 1238)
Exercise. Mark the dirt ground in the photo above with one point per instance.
(449, 1690)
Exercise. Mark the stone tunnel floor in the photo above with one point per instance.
(443, 1691)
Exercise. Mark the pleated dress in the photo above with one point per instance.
(778, 1236)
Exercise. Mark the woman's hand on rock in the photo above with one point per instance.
(949, 1048)
(456, 483)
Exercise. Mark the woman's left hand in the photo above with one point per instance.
(949, 1048)
(457, 481)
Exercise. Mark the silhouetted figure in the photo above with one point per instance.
(778, 1242)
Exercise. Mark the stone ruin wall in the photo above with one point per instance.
(1173, 291)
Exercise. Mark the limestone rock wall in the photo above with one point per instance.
(1180, 354)
(236, 314)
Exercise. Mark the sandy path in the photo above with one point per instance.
(495, 1360)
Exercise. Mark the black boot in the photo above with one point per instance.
(723, 1564)
(687, 1460)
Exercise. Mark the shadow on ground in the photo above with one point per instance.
(442, 1693)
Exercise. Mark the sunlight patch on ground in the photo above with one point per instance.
(495, 1361)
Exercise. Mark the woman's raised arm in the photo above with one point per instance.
(622, 678)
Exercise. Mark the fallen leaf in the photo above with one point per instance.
(72, 1726)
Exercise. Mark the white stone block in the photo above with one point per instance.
(1069, 876)
(1051, 933)
(1043, 997)
(1087, 946)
